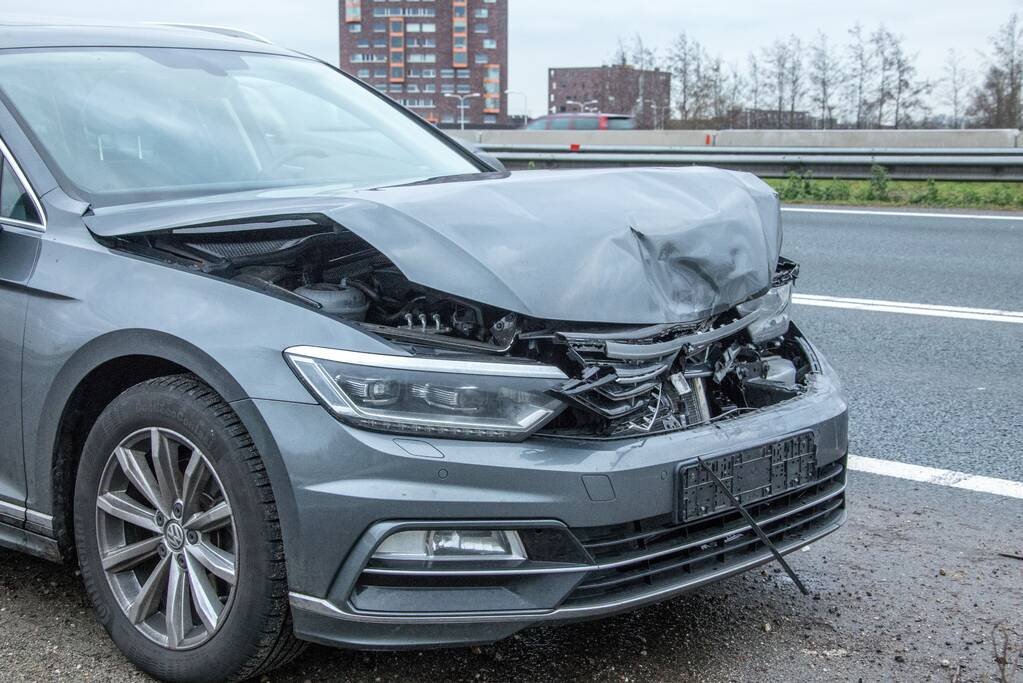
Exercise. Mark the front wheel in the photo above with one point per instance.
(178, 537)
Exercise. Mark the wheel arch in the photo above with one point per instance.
(93, 377)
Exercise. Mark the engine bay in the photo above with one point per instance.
(625, 381)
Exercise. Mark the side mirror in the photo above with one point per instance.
(489, 159)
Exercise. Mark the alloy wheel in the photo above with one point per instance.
(166, 538)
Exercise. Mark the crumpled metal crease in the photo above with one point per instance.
(633, 246)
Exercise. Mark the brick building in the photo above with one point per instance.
(617, 89)
(419, 51)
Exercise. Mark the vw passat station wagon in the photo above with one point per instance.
(281, 363)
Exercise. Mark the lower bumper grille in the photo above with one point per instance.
(646, 554)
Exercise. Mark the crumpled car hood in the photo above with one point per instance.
(625, 246)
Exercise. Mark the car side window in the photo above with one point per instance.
(15, 202)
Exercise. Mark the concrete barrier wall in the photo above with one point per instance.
(650, 138)
(950, 139)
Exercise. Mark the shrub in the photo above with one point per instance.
(930, 196)
(970, 197)
(877, 188)
(1000, 195)
(793, 187)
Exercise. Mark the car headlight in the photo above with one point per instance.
(431, 395)
(772, 311)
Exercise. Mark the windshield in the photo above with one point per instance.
(129, 125)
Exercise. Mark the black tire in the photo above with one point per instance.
(255, 633)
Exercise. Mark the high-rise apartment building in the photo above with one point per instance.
(424, 53)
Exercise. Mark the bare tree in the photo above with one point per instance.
(883, 44)
(686, 60)
(777, 59)
(645, 60)
(734, 94)
(997, 101)
(794, 77)
(825, 74)
(861, 72)
(954, 85)
(755, 80)
(907, 93)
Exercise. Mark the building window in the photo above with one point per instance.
(480, 28)
(430, 87)
(481, 13)
(363, 74)
(355, 28)
(489, 44)
(364, 43)
(482, 58)
(397, 72)
(379, 27)
(489, 119)
(353, 10)
(418, 102)
(429, 28)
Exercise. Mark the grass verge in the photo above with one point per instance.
(880, 190)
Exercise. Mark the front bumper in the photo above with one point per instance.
(349, 488)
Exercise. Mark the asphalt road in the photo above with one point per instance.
(921, 584)
(928, 391)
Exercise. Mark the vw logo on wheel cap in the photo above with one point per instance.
(175, 535)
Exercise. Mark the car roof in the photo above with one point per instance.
(15, 35)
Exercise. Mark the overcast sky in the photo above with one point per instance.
(547, 33)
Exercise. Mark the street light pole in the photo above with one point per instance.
(578, 104)
(525, 104)
(657, 112)
(461, 104)
(589, 103)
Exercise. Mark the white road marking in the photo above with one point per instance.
(931, 475)
(985, 314)
(903, 214)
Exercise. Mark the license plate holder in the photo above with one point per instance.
(751, 475)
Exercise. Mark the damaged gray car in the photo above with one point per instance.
(282, 363)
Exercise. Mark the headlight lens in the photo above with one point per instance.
(432, 396)
(772, 313)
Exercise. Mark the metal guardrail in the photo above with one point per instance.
(825, 162)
